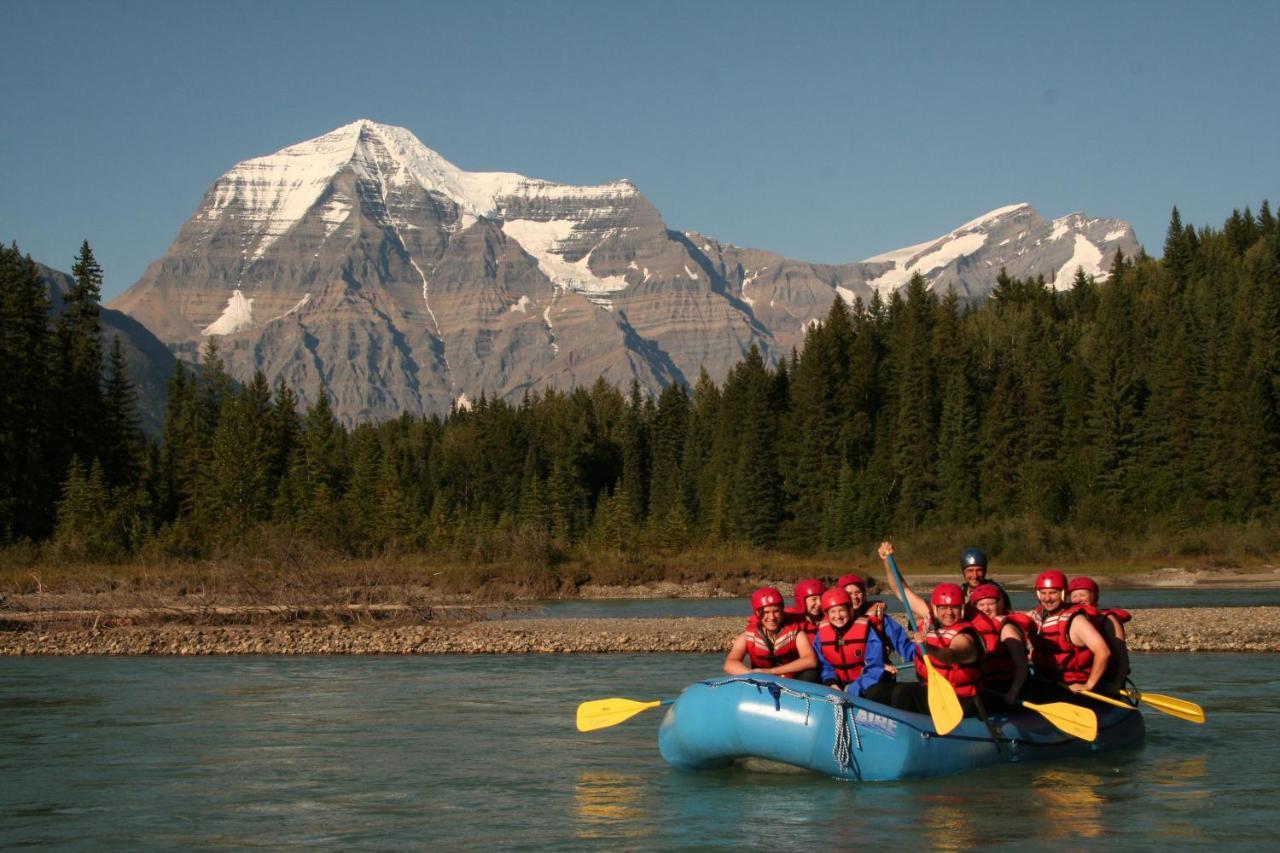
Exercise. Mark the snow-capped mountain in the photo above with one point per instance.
(1016, 238)
(365, 263)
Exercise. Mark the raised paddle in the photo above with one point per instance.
(944, 705)
(1171, 705)
(602, 713)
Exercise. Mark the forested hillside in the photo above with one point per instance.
(1141, 406)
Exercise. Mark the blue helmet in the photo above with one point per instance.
(973, 557)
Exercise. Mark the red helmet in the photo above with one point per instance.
(806, 588)
(764, 597)
(1083, 582)
(948, 593)
(1052, 579)
(857, 580)
(835, 597)
(986, 590)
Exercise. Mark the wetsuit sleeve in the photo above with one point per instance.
(899, 639)
(826, 672)
(872, 666)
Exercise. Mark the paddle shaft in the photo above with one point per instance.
(944, 705)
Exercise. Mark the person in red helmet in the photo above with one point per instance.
(856, 586)
(853, 650)
(1065, 650)
(1004, 642)
(951, 643)
(771, 644)
(808, 607)
(1110, 622)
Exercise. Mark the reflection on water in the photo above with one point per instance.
(1075, 797)
(1186, 774)
(952, 823)
(609, 805)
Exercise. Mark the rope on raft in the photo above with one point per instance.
(841, 749)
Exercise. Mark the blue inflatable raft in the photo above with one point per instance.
(715, 723)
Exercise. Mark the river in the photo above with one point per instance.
(480, 751)
(1023, 599)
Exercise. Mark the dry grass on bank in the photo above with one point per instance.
(282, 570)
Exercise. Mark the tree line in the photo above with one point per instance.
(1144, 402)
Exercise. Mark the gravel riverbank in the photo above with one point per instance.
(1241, 629)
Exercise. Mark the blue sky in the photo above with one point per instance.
(825, 131)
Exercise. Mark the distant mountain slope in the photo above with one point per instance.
(150, 361)
(365, 263)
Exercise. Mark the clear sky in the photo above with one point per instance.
(825, 131)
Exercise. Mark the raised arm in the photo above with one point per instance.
(915, 602)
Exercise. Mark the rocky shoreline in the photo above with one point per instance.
(1239, 629)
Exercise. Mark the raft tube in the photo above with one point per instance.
(715, 723)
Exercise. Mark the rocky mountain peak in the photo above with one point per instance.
(365, 263)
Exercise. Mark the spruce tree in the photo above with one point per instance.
(79, 381)
(122, 442)
(29, 469)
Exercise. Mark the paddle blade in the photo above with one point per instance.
(1071, 719)
(944, 705)
(1170, 705)
(602, 713)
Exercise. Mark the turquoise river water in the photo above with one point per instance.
(467, 752)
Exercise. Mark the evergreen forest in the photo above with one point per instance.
(1041, 425)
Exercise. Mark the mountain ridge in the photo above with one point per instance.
(364, 263)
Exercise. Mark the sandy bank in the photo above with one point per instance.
(1251, 629)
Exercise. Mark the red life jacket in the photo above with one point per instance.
(964, 677)
(765, 654)
(997, 665)
(1122, 616)
(1054, 655)
(1118, 661)
(802, 618)
(845, 650)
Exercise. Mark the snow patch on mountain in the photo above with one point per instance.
(542, 240)
(1085, 256)
(991, 216)
(947, 251)
(522, 304)
(237, 316)
(306, 297)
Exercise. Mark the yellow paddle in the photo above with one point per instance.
(1107, 699)
(1170, 705)
(1065, 717)
(602, 713)
(944, 705)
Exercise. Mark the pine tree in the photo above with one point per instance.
(668, 439)
(236, 493)
(958, 418)
(80, 360)
(122, 443)
(29, 472)
(914, 442)
(1177, 250)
